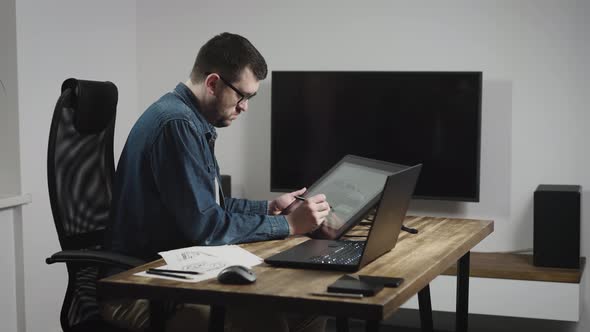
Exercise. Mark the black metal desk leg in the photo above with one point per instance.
(425, 309)
(462, 293)
(341, 324)
(216, 318)
(157, 316)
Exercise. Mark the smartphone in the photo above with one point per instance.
(385, 281)
(354, 287)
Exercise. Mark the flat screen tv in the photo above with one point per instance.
(433, 118)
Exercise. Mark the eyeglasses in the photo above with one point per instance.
(243, 96)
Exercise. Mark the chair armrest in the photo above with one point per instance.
(95, 257)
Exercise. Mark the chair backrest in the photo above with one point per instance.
(80, 172)
(80, 164)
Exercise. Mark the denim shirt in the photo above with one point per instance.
(164, 190)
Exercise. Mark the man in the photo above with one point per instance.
(166, 193)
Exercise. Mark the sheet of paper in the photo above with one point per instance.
(208, 261)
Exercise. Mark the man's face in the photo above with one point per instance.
(232, 97)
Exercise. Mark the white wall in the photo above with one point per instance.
(11, 309)
(57, 40)
(534, 56)
(532, 53)
(9, 163)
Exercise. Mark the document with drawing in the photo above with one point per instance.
(205, 261)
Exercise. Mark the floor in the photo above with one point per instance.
(409, 321)
(358, 326)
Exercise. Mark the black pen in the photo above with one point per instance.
(345, 295)
(174, 271)
(166, 274)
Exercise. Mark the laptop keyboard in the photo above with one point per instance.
(348, 253)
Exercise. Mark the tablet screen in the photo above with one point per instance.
(348, 188)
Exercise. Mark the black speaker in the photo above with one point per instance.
(226, 185)
(557, 226)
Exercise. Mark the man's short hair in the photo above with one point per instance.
(228, 54)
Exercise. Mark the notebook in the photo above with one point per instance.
(350, 256)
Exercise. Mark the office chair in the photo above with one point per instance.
(80, 171)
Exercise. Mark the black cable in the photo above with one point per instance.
(409, 230)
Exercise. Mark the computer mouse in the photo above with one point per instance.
(237, 275)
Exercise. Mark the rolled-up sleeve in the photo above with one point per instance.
(184, 176)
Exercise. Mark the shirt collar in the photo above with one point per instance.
(188, 97)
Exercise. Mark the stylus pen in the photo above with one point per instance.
(347, 295)
(301, 198)
(166, 274)
(174, 271)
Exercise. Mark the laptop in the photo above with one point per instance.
(351, 256)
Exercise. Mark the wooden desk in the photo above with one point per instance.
(418, 258)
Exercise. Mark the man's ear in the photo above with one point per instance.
(211, 83)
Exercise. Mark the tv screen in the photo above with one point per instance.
(433, 118)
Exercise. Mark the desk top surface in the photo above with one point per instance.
(418, 258)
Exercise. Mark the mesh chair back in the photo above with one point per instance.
(80, 168)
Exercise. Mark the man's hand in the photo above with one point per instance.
(279, 204)
(308, 215)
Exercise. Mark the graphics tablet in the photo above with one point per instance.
(352, 187)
